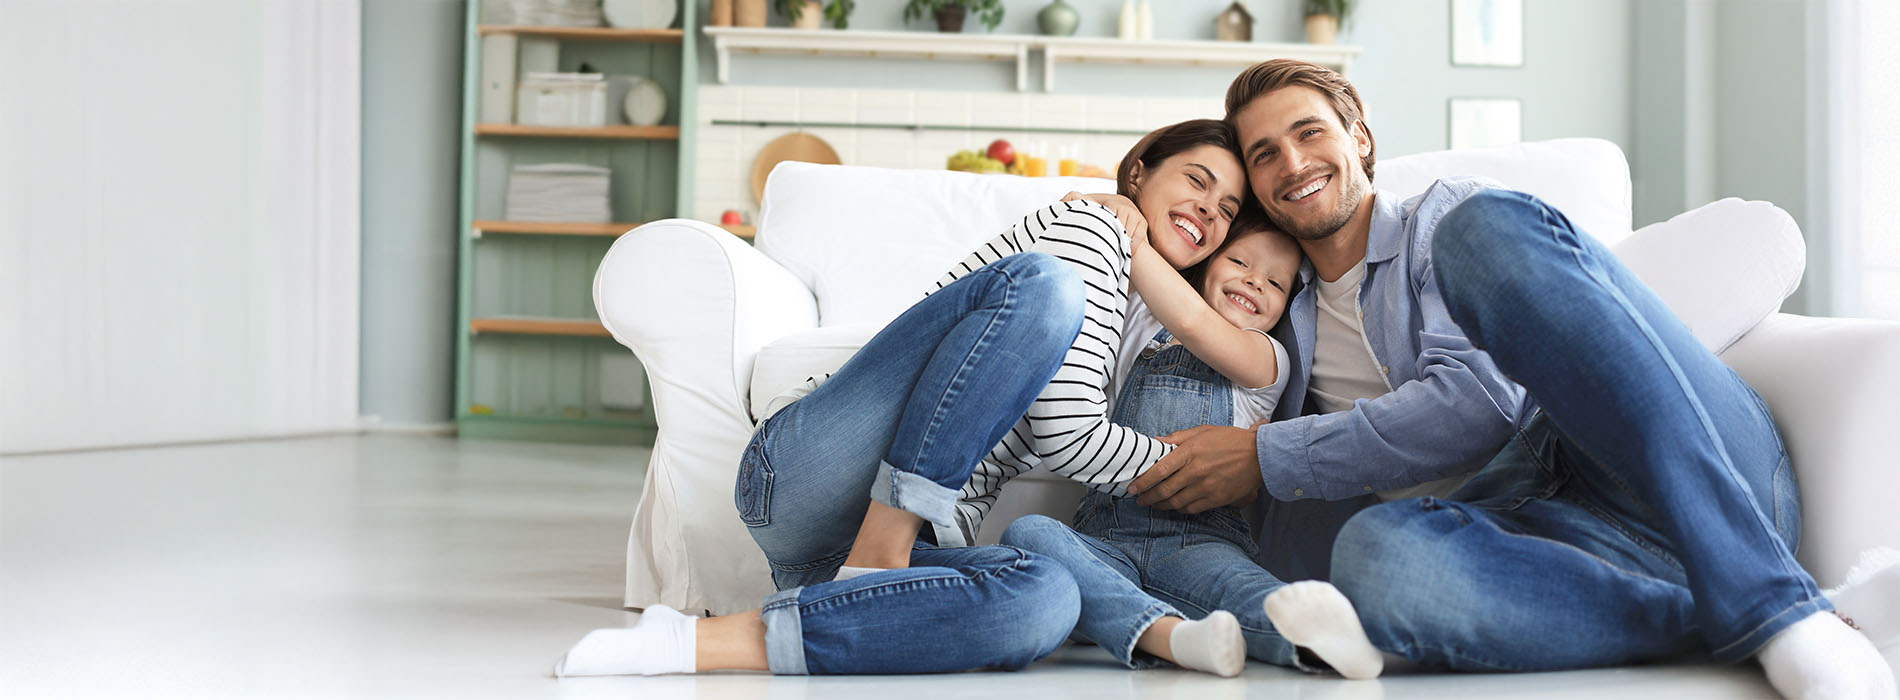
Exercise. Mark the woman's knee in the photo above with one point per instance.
(1038, 614)
(1051, 291)
(1034, 533)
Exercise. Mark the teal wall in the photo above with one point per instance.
(412, 68)
(1725, 96)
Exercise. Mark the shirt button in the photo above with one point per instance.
(1299, 492)
(1368, 488)
(1384, 369)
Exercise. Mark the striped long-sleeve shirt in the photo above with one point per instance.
(1067, 428)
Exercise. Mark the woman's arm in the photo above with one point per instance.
(1244, 357)
(1067, 427)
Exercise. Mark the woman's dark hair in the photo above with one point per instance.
(1163, 143)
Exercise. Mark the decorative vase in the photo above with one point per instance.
(1125, 24)
(1058, 19)
(950, 19)
(1321, 29)
(721, 15)
(748, 13)
(810, 15)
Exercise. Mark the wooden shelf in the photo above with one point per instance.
(539, 326)
(564, 228)
(1007, 47)
(671, 133)
(553, 228)
(653, 36)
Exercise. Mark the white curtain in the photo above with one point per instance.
(1856, 112)
(178, 220)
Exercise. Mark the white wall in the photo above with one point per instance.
(178, 221)
(1576, 78)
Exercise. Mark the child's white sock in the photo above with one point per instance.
(1871, 596)
(662, 641)
(1820, 658)
(1212, 644)
(846, 573)
(1315, 615)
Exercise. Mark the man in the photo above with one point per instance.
(1564, 476)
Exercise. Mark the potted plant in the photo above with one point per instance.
(1323, 18)
(808, 14)
(950, 13)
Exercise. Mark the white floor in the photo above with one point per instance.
(406, 567)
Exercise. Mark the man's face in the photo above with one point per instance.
(1302, 163)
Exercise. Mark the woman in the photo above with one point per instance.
(1003, 367)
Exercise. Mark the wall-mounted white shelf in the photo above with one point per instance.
(1008, 47)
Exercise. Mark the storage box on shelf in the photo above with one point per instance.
(532, 358)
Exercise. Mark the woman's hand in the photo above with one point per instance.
(1133, 223)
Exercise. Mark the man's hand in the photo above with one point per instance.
(1213, 466)
(1133, 223)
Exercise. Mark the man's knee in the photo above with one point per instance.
(1389, 557)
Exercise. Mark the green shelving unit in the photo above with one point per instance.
(532, 360)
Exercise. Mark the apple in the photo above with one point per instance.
(1001, 150)
(730, 218)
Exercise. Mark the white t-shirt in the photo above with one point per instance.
(1345, 370)
(1250, 404)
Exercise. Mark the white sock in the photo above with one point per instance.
(1315, 615)
(1820, 658)
(846, 573)
(1870, 596)
(662, 641)
(1212, 644)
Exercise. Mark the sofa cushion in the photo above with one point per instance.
(1722, 267)
(1586, 179)
(785, 364)
(869, 241)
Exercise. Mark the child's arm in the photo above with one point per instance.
(1245, 357)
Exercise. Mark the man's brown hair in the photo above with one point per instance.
(1267, 76)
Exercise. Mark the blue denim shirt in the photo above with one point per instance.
(1450, 409)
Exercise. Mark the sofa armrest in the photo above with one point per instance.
(695, 304)
(1831, 384)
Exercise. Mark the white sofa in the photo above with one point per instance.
(722, 326)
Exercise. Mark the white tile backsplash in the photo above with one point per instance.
(723, 171)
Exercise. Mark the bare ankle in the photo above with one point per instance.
(885, 539)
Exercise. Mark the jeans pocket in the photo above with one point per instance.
(752, 492)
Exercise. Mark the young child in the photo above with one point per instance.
(1198, 353)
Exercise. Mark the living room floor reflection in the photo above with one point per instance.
(414, 566)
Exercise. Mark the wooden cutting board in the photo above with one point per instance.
(798, 146)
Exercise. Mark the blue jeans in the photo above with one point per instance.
(1649, 511)
(903, 423)
(1135, 564)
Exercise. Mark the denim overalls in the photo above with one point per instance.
(1136, 564)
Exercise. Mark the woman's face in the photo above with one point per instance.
(1189, 200)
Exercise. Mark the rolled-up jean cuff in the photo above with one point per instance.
(920, 496)
(1126, 648)
(784, 634)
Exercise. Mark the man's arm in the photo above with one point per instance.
(1449, 421)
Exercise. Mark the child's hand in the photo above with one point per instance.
(1133, 223)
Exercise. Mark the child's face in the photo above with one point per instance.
(1247, 281)
(1189, 199)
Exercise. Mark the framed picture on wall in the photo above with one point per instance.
(1487, 33)
(1484, 121)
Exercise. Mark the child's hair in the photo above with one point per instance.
(1251, 219)
(1166, 141)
